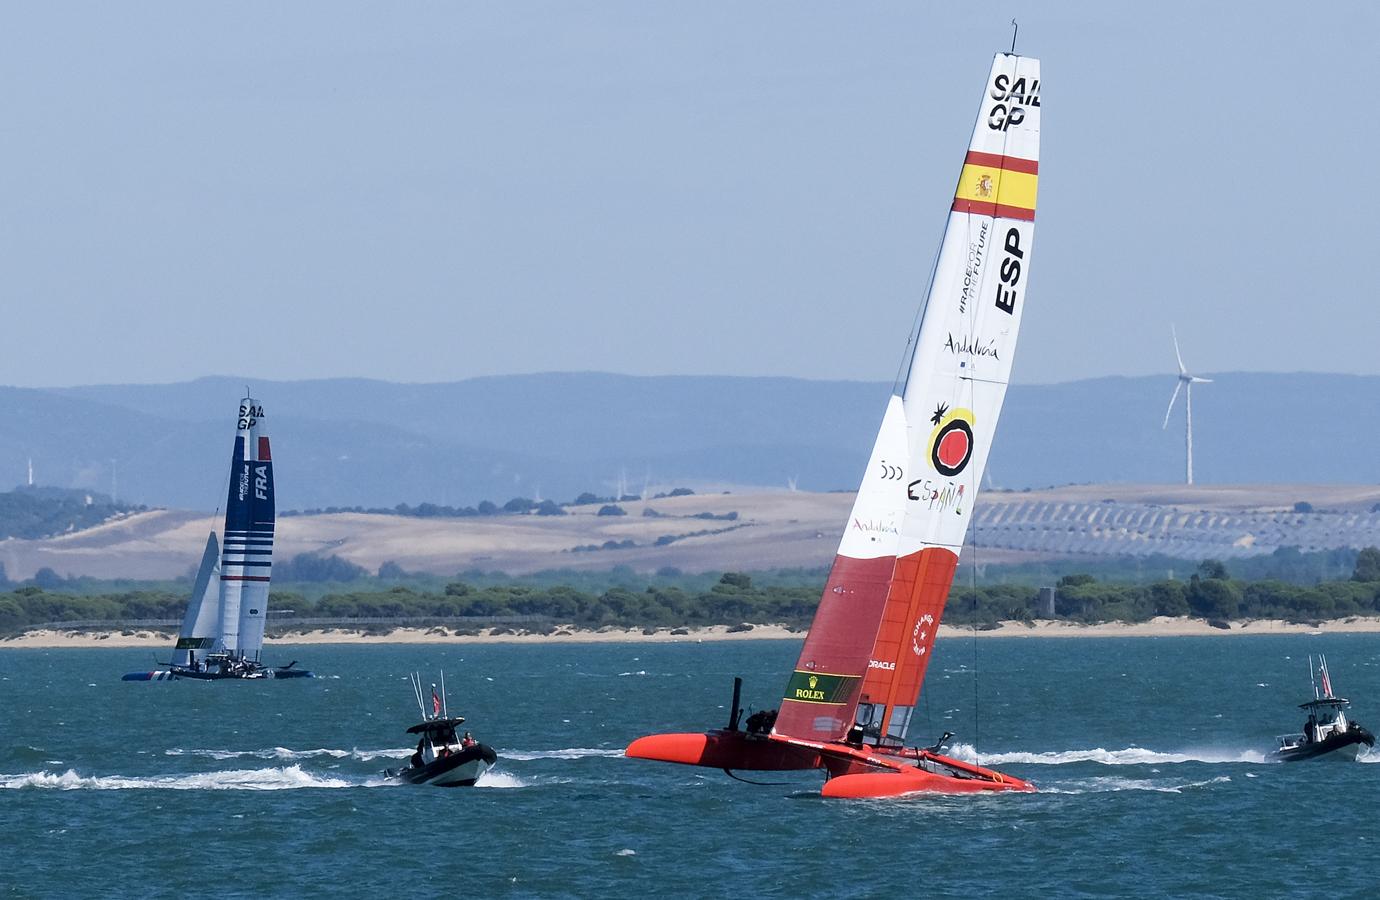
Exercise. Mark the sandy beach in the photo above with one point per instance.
(1159, 627)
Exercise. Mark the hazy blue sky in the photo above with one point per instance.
(427, 192)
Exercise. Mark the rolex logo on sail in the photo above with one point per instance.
(819, 687)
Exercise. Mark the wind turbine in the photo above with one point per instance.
(1190, 381)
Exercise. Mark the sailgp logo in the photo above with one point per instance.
(250, 416)
(1013, 98)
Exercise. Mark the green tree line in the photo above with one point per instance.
(1210, 593)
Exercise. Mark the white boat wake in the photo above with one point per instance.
(568, 753)
(1112, 784)
(288, 777)
(273, 779)
(285, 753)
(493, 779)
(1128, 756)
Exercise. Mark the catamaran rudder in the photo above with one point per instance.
(848, 702)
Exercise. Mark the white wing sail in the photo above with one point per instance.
(866, 654)
(200, 631)
(957, 378)
(247, 561)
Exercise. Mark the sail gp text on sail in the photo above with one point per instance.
(1012, 97)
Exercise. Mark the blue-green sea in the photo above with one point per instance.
(1150, 754)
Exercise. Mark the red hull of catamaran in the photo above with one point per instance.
(854, 772)
(877, 785)
(724, 750)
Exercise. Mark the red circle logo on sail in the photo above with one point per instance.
(951, 442)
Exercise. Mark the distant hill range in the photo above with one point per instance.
(40, 512)
(1152, 526)
(343, 442)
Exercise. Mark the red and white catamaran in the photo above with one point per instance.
(848, 703)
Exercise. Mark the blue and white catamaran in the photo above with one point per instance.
(222, 633)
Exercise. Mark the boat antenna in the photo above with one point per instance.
(445, 710)
(1014, 29)
(1311, 677)
(416, 680)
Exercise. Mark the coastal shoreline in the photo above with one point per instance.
(1158, 627)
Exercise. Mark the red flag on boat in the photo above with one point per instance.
(435, 702)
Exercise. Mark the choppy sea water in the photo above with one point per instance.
(1150, 754)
